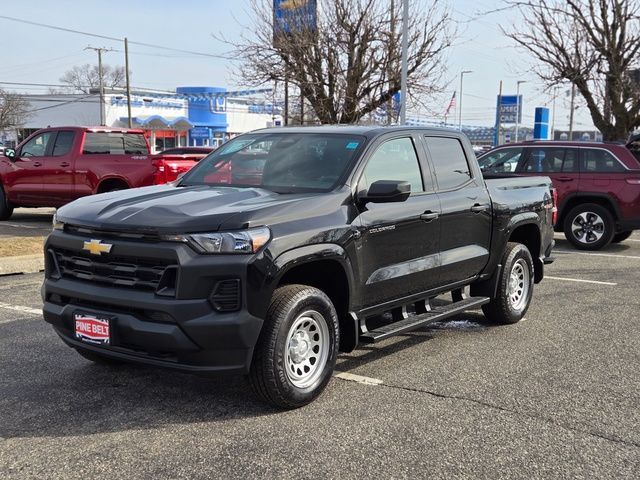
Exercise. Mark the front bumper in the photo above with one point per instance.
(184, 332)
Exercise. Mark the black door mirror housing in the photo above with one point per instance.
(387, 191)
(10, 153)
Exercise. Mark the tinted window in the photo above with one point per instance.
(449, 162)
(393, 160)
(598, 160)
(114, 143)
(64, 142)
(504, 160)
(37, 146)
(282, 162)
(545, 160)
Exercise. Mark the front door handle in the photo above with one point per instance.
(477, 208)
(429, 216)
(64, 164)
(36, 164)
(564, 179)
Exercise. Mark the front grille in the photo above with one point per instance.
(226, 295)
(136, 273)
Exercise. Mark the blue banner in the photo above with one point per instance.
(294, 15)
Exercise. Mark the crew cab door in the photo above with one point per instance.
(400, 241)
(23, 178)
(465, 219)
(57, 169)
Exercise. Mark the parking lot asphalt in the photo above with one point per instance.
(554, 396)
(27, 222)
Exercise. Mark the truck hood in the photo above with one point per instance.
(170, 209)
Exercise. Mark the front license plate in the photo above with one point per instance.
(91, 329)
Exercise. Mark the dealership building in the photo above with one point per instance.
(190, 116)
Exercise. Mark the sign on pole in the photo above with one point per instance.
(291, 16)
(508, 108)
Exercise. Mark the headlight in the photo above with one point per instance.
(56, 224)
(242, 241)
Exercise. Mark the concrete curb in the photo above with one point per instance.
(22, 264)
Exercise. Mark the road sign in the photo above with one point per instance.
(294, 15)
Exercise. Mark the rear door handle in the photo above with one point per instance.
(564, 179)
(64, 164)
(477, 208)
(429, 216)
(36, 164)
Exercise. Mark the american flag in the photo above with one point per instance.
(452, 104)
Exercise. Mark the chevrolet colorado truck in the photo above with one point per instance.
(348, 238)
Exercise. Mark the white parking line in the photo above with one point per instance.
(350, 377)
(570, 252)
(20, 308)
(580, 280)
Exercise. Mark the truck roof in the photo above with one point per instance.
(94, 129)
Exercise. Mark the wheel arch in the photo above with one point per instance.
(328, 268)
(576, 199)
(106, 183)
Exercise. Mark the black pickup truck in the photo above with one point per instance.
(338, 236)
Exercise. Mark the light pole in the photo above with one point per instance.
(553, 111)
(520, 82)
(460, 102)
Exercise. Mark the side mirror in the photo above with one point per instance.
(387, 191)
(10, 153)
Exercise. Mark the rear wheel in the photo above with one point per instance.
(6, 208)
(297, 349)
(589, 226)
(621, 237)
(515, 287)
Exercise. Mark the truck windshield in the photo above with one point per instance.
(282, 162)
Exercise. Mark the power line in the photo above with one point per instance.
(115, 39)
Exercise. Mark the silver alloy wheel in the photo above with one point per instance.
(307, 349)
(519, 280)
(587, 227)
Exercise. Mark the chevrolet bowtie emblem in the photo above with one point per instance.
(96, 247)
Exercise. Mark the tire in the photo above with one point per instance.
(515, 287)
(6, 208)
(589, 227)
(621, 237)
(296, 352)
(96, 358)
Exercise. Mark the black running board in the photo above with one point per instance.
(416, 321)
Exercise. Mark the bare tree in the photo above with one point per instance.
(14, 110)
(593, 44)
(349, 66)
(84, 78)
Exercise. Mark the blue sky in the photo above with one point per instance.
(37, 55)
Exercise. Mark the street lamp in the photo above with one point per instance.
(518, 106)
(460, 103)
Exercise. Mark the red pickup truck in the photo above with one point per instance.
(54, 166)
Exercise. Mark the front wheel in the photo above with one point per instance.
(515, 287)
(589, 226)
(296, 352)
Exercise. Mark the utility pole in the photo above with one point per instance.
(498, 126)
(100, 77)
(460, 100)
(520, 82)
(573, 101)
(126, 66)
(553, 110)
(404, 69)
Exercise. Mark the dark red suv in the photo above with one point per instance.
(598, 185)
